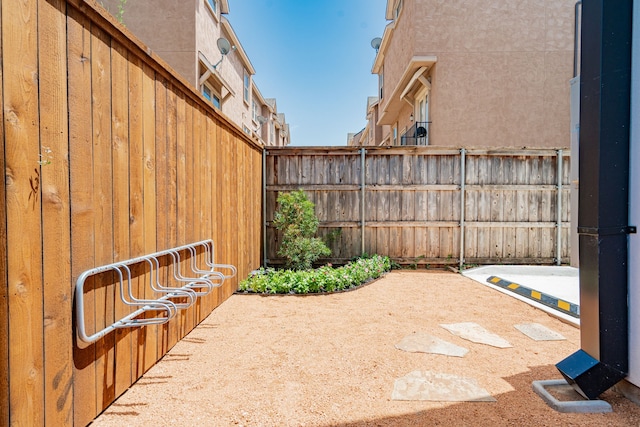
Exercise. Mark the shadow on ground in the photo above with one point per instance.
(521, 407)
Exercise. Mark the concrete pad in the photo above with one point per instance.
(560, 396)
(559, 281)
(421, 342)
(437, 387)
(475, 333)
(539, 332)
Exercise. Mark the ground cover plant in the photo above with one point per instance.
(323, 279)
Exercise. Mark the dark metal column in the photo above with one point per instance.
(604, 197)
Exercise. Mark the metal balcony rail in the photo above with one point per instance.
(181, 290)
(418, 134)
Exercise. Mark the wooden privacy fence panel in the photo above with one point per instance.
(108, 156)
(428, 205)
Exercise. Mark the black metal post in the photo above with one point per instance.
(604, 198)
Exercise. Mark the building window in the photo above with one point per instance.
(247, 81)
(381, 82)
(213, 97)
(398, 9)
(206, 91)
(394, 135)
(254, 111)
(272, 138)
(213, 4)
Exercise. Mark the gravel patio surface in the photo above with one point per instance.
(331, 360)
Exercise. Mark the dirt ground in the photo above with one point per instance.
(330, 360)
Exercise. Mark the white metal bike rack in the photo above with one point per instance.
(183, 291)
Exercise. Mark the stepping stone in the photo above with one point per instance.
(475, 333)
(439, 387)
(421, 342)
(539, 332)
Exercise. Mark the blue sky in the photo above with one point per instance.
(315, 58)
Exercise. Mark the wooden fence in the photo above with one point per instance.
(108, 156)
(427, 205)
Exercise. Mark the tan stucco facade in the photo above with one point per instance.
(496, 72)
(184, 34)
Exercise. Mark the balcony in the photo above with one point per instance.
(418, 134)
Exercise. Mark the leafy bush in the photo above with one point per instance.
(297, 220)
(323, 279)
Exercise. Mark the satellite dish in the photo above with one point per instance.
(223, 45)
(261, 119)
(375, 43)
(421, 132)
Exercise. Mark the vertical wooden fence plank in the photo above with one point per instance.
(210, 138)
(172, 190)
(190, 317)
(181, 188)
(216, 186)
(103, 203)
(23, 198)
(162, 193)
(136, 198)
(121, 209)
(222, 248)
(82, 209)
(58, 298)
(242, 217)
(149, 199)
(205, 182)
(4, 308)
(196, 183)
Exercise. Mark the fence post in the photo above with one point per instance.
(559, 210)
(463, 180)
(363, 153)
(264, 207)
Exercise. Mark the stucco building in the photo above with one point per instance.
(489, 73)
(185, 35)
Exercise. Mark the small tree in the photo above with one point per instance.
(297, 220)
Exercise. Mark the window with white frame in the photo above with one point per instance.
(247, 85)
(213, 4)
(254, 111)
(209, 93)
(381, 82)
(398, 9)
(421, 112)
(272, 138)
(394, 136)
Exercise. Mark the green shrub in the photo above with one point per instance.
(297, 220)
(323, 279)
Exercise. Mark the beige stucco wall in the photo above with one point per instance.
(502, 72)
(168, 28)
(208, 29)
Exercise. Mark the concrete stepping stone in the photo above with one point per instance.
(475, 333)
(539, 332)
(421, 342)
(439, 387)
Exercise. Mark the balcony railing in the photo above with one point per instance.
(418, 134)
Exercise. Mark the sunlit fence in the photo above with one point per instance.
(426, 206)
(108, 156)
